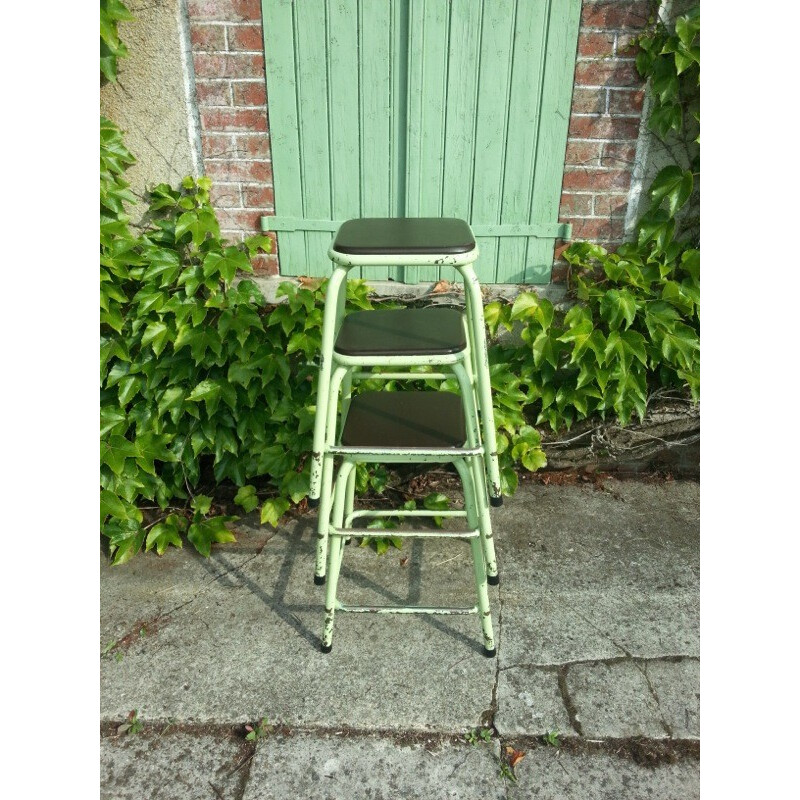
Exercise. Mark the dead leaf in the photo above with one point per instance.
(403, 561)
(514, 756)
(441, 286)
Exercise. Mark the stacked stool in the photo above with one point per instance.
(404, 426)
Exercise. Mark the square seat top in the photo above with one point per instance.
(404, 236)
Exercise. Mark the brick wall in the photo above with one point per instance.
(604, 124)
(607, 102)
(228, 49)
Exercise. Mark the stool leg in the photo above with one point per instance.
(326, 493)
(485, 519)
(330, 325)
(479, 477)
(335, 555)
(478, 563)
(475, 313)
(349, 500)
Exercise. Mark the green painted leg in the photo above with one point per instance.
(335, 555)
(330, 323)
(484, 611)
(484, 520)
(471, 489)
(349, 500)
(323, 520)
(478, 341)
(325, 499)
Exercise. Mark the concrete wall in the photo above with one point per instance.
(153, 100)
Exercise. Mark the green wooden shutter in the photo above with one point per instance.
(421, 108)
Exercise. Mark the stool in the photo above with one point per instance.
(402, 339)
(402, 427)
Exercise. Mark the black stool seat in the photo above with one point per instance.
(404, 236)
(405, 419)
(412, 332)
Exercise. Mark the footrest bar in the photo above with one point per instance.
(423, 534)
(406, 610)
(403, 513)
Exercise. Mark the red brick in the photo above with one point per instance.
(245, 37)
(604, 127)
(223, 119)
(602, 230)
(596, 180)
(219, 146)
(596, 44)
(610, 205)
(258, 197)
(625, 102)
(248, 221)
(229, 65)
(575, 205)
(230, 171)
(616, 15)
(617, 154)
(233, 236)
(588, 101)
(226, 195)
(256, 146)
(213, 93)
(265, 264)
(583, 153)
(225, 10)
(207, 37)
(249, 94)
(605, 73)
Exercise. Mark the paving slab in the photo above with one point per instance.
(372, 768)
(248, 646)
(677, 686)
(614, 701)
(548, 774)
(175, 766)
(565, 626)
(529, 702)
(627, 534)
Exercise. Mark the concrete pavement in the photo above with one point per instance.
(597, 622)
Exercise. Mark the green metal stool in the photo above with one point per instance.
(402, 339)
(403, 427)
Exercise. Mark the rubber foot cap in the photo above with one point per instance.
(326, 648)
(495, 502)
(490, 653)
(313, 502)
(493, 580)
(319, 580)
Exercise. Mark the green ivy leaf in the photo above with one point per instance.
(161, 536)
(272, 510)
(246, 498)
(203, 534)
(201, 503)
(673, 185)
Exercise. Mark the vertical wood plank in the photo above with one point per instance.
(520, 146)
(374, 44)
(398, 65)
(428, 28)
(343, 110)
(462, 98)
(284, 133)
(312, 79)
(562, 42)
(493, 87)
